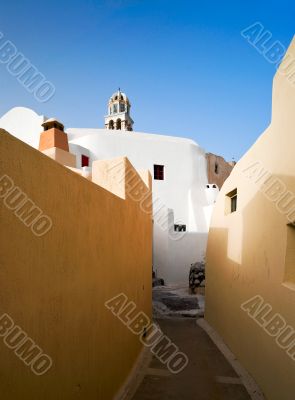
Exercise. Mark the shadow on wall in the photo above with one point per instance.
(261, 271)
(173, 258)
(184, 252)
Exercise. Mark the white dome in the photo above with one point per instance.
(117, 96)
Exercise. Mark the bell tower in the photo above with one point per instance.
(118, 117)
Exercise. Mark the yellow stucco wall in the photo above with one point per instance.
(61, 156)
(54, 286)
(247, 249)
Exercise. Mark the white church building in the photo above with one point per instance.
(182, 197)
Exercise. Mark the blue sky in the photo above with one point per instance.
(184, 64)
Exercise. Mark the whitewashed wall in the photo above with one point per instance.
(183, 195)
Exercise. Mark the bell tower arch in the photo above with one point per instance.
(118, 117)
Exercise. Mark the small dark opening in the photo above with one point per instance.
(159, 172)
(233, 196)
(179, 228)
(233, 203)
(216, 168)
(118, 124)
(84, 161)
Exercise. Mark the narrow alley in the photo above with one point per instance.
(208, 375)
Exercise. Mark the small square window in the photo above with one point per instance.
(231, 202)
(84, 161)
(159, 172)
(179, 228)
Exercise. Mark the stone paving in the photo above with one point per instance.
(208, 375)
(176, 301)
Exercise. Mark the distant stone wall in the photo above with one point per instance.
(218, 169)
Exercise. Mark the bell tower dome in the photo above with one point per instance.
(119, 113)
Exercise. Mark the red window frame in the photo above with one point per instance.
(84, 161)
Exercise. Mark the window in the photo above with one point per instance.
(115, 108)
(111, 124)
(159, 172)
(231, 202)
(179, 228)
(122, 107)
(214, 186)
(216, 168)
(84, 161)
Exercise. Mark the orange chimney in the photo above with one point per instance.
(53, 136)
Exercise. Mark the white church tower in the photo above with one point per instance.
(119, 113)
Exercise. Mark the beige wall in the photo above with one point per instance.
(247, 250)
(61, 156)
(224, 169)
(118, 176)
(54, 286)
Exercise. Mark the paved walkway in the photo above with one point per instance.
(208, 375)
